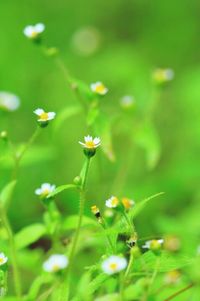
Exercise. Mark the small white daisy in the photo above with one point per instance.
(9, 101)
(153, 244)
(127, 101)
(127, 203)
(91, 143)
(163, 75)
(45, 189)
(3, 259)
(112, 202)
(114, 264)
(34, 31)
(55, 263)
(44, 116)
(99, 88)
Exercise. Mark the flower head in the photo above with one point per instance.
(33, 31)
(112, 202)
(172, 277)
(8, 101)
(163, 75)
(127, 101)
(45, 190)
(44, 117)
(3, 259)
(154, 244)
(90, 142)
(55, 263)
(99, 88)
(114, 264)
(127, 203)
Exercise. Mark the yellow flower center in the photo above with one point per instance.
(114, 201)
(1, 260)
(90, 144)
(127, 203)
(34, 34)
(45, 192)
(55, 268)
(44, 116)
(113, 266)
(100, 88)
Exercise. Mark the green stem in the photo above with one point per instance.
(125, 276)
(16, 275)
(84, 175)
(18, 156)
(179, 292)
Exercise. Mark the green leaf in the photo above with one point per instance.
(97, 283)
(146, 137)
(34, 155)
(135, 290)
(29, 235)
(64, 115)
(71, 222)
(61, 188)
(141, 205)
(84, 89)
(92, 115)
(110, 297)
(163, 263)
(6, 194)
(102, 127)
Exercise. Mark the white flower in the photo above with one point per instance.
(153, 244)
(33, 31)
(90, 142)
(55, 263)
(112, 202)
(44, 116)
(9, 101)
(114, 264)
(99, 88)
(127, 101)
(163, 75)
(45, 189)
(3, 259)
(127, 203)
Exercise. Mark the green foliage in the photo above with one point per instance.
(29, 235)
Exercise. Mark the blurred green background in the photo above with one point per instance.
(131, 39)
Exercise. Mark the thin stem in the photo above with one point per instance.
(123, 281)
(84, 175)
(179, 292)
(18, 156)
(67, 77)
(16, 275)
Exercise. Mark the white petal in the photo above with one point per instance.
(51, 115)
(38, 111)
(97, 140)
(38, 191)
(28, 30)
(40, 27)
(88, 138)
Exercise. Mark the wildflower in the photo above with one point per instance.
(161, 76)
(9, 102)
(114, 264)
(44, 117)
(172, 243)
(99, 88)
(172, 277)
(55, 263)
(90, 145)
(127, 203)
(4, 135)
(3, 259)
(96, 212)
(33, 32)
(86, 40)
(127, 101)
(132, 240)
(154, 244)
(113, 202)
(45, 190)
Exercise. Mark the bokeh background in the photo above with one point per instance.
(119, 43)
